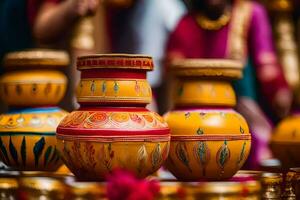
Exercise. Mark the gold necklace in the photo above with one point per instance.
(214, 25)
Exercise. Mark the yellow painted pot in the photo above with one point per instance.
(31, 79)
(33, 88)
(113, 129)
(207, 142)
(285, 141)
(27, 139)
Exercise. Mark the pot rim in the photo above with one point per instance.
(115, 61)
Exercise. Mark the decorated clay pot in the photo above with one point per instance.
(285, 142)
(113, 129)
(31, 88)
(209, 140)
(30, 79)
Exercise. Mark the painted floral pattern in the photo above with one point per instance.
(96, 160)
(34, 122)
(113, 120)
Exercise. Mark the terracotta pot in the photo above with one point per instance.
(27, 130)
(209, 140)
(112, 129)
(285, 142)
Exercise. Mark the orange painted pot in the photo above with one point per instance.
(112, 129)
(209, 140)
(285, 142)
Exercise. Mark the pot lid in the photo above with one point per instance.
(115, 61)
(36, 58)
(207, 67)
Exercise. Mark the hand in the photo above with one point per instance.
(84, 7)
(282, 102)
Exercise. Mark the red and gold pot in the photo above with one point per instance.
(209, 140)
(113, 129)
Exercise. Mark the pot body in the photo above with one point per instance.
(33, 87)
(209, 140)
(285, 142)
(207, 143)
(112, 129)
(27, 139)
(94, 142)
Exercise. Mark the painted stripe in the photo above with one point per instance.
(27, 133)
(211, 137)
(136, 138)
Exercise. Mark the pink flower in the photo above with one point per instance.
(123, 185)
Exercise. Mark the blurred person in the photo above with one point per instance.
(238, 29)
(144, 28)
(52, 18)
(53, 22)
(125, 26)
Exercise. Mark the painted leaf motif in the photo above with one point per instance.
(103, 87)
(93, 87)
(38, 149)
(200, 131)
(142, 157)
(202, 114)
(242, 154)
(182, 155)
(242, 130)
(187, 115)
(156, 156)
(47, 155)
(202, 155)
(4, 152)
(202, 152)
(13, 151)
(116, 87)
(223, 155)
(23, 151)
